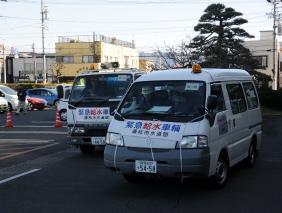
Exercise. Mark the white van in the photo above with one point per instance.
(10, 95)
(184, 123)
(63, 92)
(93, 99)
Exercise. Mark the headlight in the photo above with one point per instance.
(114, 139)
(192, 142)
(77, 130)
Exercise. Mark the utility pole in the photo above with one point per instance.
(4, 64)
(94, 50)
(34, 63)
(43, 19)
(275, 68)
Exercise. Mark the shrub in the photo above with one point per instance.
(271, 98)
(29, 85)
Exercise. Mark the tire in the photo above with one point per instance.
(86, 149)
(133, 178)
(63, 115)
(221, 176)
(30, 106)
(250, 161)
(56, 102)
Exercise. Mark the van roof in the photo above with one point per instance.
(117, 71)
(206, 75)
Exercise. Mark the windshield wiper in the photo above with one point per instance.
(118, 116)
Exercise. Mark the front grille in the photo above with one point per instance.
(96, 132)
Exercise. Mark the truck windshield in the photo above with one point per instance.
(165, 100)
(99, 88)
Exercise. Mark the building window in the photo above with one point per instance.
(28, 67)
(116, 59)
(262, 61)
(87, 59)
(64, 59)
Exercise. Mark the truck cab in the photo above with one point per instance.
(92, 102)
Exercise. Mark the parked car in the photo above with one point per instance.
(50, 95)
(10, 95)
(3, 105)
(36, 103)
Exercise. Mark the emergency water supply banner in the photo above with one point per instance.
(154, 129)
(93, 113)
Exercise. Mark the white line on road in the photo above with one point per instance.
(19, 175)
(42, 122)
(34, 132)
(23, 141)
(30, 150)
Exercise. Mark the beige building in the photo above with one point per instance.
(75, 54)
(262, 50)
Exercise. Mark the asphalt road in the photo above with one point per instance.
(60, 179)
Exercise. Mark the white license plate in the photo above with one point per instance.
(98, 140)
(146, 166)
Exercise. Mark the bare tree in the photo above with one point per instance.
(178, 56)
(57, 70)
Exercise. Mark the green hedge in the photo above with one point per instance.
(271, 98)
(30, 85)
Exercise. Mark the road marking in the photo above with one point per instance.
(42, 122)
(24, 152)
(19, 175)
(34, 132)
(23, 141)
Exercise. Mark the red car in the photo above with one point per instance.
(36, 103)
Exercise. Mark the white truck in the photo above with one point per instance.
(92, 102)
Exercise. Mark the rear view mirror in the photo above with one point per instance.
(212, 102)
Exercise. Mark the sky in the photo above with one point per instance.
(152, 24)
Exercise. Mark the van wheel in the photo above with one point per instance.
(251, 159)
(220, 178)
(87, 149)
(133, 178)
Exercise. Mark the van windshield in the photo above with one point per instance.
(180, 101)
(98, 89)
(8, 90)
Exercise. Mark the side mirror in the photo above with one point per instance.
(60, 91)
(212, 102)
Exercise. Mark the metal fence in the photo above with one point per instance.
(97, 38)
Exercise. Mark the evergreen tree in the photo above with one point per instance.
(220, 39)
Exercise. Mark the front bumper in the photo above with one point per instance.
(85, 138)
(195, 162)
(3, 107)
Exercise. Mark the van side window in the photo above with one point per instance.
(216, 90)
(251, 95)
(236, 97)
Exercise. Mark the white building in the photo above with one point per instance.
(29, 69)
(262, 50)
